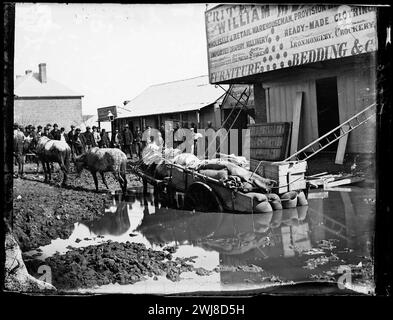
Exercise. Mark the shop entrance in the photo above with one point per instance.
(327, 107)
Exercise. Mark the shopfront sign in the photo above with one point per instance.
(244, 40)
(107, 113)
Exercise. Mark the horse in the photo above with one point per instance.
(103, 160)
(49, 151)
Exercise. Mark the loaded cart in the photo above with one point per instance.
(207, 188)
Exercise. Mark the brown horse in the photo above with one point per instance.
(53, 151)
(104, 160)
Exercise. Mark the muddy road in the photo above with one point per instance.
(43, 212)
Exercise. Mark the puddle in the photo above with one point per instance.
(294, 245)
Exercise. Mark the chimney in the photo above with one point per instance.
(28, 72)
(42, 72)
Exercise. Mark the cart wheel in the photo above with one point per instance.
(200, 197)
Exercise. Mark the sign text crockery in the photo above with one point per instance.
(244, 40)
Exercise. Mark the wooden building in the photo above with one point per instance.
(186, 101)
(328, 53)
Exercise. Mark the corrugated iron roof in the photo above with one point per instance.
(29, 86)
(177, 96)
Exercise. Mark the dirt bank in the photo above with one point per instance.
(16, 277)
(113, 262)
(43, 212)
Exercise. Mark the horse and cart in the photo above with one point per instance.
(222, 186)
(205, 185)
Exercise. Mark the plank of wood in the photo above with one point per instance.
(317, 175)
(321, 182)
(342, 144)
(318, 195)
(340, 189)
(296, 122)
(345, 181)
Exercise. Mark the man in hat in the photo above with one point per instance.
(70, 138)
(47, 131)
(89, 139)
(55, 133)
(19, 140)
(39, 131)
(77, 142)
(104, 141)
(34, 138)
(127, 139)
(63, 136)
(116, 139)
(97, 136)
(138, 142)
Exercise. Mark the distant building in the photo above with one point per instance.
(39, 99)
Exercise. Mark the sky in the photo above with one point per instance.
(111, 52)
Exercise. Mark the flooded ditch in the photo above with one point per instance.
(220, 251)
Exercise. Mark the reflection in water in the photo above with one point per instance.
(272, 241)
(115, 222)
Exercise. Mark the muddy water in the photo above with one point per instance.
(251, 251)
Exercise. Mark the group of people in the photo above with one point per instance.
(78, 141)
(129, 142)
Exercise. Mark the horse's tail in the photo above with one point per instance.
(65, 165)
(122, 173)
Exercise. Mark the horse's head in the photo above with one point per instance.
(80, 163)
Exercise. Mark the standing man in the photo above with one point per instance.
(34, 139)
(96, 135)
(47, 131)
(63, 136)
(39, 131)
(55, 133)
(19, 140)
(138, 142)
(127, 140)
(70, 139)
(77, 142)
(116, 139)
(104, 141)
(27, 130)
(162, 130)
(89, 139)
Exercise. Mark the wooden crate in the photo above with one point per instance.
(269, 141)
(289, 175)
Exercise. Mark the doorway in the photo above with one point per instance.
(327, 107)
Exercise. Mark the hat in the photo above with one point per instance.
(48, 125)
(78, 129)
(39, 127)
(55, 125)
(87, 128)
(72, 126)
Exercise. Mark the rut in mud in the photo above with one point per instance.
(43, 212)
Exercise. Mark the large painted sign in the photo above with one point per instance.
(244, 40)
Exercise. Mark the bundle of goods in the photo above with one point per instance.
(231, 176)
